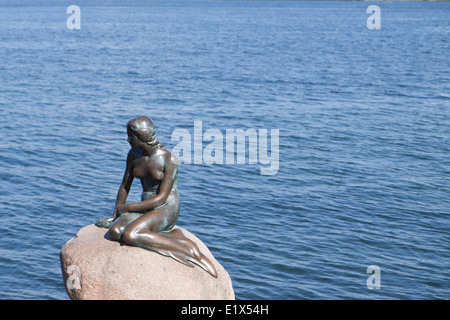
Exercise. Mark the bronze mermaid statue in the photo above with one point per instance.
(149, 224)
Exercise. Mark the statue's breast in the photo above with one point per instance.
(155, 167)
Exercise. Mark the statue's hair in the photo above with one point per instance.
(144, 128)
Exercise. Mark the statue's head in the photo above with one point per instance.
(142, 128)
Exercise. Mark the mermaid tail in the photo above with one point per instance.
(192, 254)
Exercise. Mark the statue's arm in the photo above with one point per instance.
(170, 173)
(125, 186)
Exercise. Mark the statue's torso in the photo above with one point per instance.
(150, 170)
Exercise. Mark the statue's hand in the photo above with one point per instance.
(121, 209)
(104, 222)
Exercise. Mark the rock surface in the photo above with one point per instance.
(95, 267)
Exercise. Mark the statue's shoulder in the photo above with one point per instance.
(133, 154)
(168, 156)
(174, 159)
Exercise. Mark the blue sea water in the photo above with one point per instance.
(363, 117)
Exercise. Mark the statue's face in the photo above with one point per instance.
(133, 140)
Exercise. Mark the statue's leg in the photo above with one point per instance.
(118, 227)
(144, 233)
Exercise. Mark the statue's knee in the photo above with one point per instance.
(115, 233)
(129, 236)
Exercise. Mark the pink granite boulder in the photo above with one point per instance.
(94, 267)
